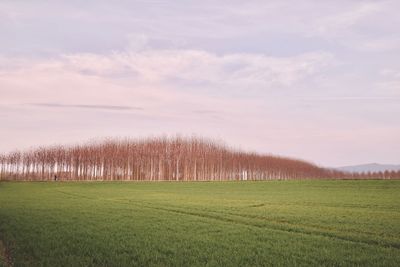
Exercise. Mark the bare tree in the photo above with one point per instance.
(162, 159)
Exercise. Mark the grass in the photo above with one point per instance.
(331, 223)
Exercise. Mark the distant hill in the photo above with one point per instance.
(372, 167)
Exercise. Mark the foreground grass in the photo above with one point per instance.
(197, 224)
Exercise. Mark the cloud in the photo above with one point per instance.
(206, 111)
(174, 84)
(354, 98)
(199, 25)
(343, 21)
(105, 107)
(379, 45)
(241, 71)
(151, 77)
(200, 66)
(137, 42)
(390, 73)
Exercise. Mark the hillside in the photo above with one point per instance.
(372, 167)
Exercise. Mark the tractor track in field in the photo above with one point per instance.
(286, 226)
(283, 226)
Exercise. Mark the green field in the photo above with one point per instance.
(283, 223)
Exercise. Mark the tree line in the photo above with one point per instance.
(161, 159)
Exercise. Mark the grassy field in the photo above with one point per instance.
(196, 224)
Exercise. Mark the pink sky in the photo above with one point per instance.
(318, 81)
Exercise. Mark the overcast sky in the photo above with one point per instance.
(318, 80)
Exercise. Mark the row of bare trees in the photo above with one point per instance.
(160, 159)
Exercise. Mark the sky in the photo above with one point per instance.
(316, 80)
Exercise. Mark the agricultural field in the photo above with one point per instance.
(280, 223)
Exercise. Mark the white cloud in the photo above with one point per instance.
(343, 21)
(153, 79)
(160, 66)
(366, 26)
(379, 45)
(137, 42)
(390, 73)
